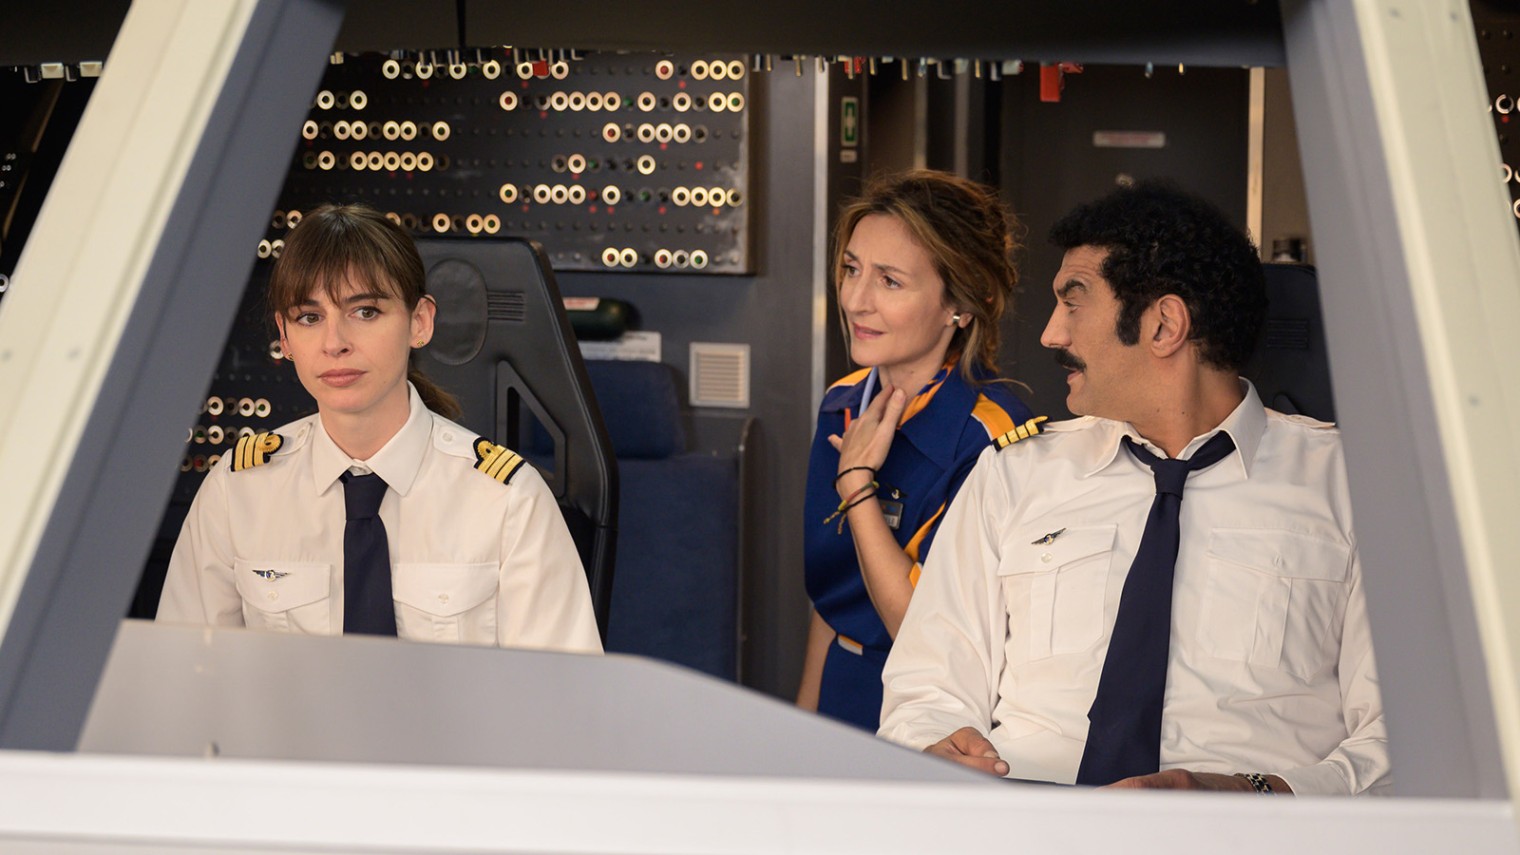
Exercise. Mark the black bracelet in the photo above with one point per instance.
(853, 469)
(844, 506)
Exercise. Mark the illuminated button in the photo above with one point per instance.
(699, 70)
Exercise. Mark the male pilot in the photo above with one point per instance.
(1164, 592)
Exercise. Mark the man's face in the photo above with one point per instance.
(1107, 377)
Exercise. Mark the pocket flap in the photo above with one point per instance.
(1282, 553)
(1069, 546)
(278, 586)
(444, 590)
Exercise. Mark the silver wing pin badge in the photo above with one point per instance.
(1049, 538)
(270, 575)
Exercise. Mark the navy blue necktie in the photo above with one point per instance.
(1124, 723)
(367, 605)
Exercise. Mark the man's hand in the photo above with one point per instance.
(1182, 779)
(969, 747)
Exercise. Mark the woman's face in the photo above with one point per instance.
(351, 355)
(893, 302)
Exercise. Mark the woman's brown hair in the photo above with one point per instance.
(334, 242)
(971, 236)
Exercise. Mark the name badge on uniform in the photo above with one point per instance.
(892, 509)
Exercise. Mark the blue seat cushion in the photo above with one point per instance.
(640, 406)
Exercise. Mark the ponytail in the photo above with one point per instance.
(433, 396)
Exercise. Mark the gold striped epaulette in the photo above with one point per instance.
(497, 461)
(255, 450)
(1023, 431)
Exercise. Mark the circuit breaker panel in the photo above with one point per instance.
(612, 161)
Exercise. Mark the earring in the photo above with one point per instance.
(955, 318)
(420, 342)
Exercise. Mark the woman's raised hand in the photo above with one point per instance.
(867, 439)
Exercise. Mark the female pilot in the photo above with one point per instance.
(924, 275)
(377, 514)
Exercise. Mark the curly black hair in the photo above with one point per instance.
(1162, 240)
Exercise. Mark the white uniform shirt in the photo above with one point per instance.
(473, 560)
(1271, 667)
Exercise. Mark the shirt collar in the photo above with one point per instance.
(1245, 425)
(936, 430)
(397, 462)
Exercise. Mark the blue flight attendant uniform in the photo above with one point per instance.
(950, 423)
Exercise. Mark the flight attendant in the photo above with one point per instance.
(377, 514)
(924, 274)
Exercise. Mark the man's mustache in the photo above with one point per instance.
(1065, 359)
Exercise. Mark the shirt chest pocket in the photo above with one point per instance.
(285, 596)
(1274, 599)
(1055, 588)
(446, 602)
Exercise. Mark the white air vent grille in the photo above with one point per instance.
(719, 375)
